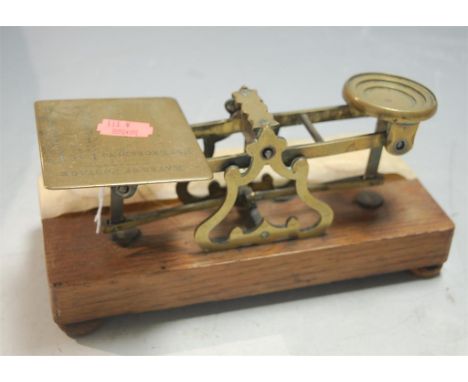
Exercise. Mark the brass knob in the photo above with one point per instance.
(390, 98)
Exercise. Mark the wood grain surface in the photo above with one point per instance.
(91, 277)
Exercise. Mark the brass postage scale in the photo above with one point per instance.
(125, 143)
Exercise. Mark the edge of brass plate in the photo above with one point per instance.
(75, 155)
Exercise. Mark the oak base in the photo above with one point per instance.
(91, 277)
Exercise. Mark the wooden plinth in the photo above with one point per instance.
(91, 277)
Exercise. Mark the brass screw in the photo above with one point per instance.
(268, 152)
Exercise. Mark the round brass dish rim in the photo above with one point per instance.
(424, 112)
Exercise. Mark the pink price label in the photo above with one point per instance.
(120, 128)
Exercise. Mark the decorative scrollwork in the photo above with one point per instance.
(266, 150)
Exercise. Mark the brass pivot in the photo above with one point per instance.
(399, 104)
(118, 194)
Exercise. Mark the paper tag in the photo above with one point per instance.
(120, 128)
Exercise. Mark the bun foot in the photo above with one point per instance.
(81, 328)
(427, 272)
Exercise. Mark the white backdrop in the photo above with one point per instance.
(292, 68)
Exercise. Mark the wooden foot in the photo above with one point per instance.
(427, 272)
(81, 328)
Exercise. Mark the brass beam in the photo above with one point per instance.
(314, 150)
(226, 127)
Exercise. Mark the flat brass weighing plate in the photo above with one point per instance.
(90, 143)
(390, 97)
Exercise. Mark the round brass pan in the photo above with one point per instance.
(389, 97)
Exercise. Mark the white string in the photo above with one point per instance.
(97, 218)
